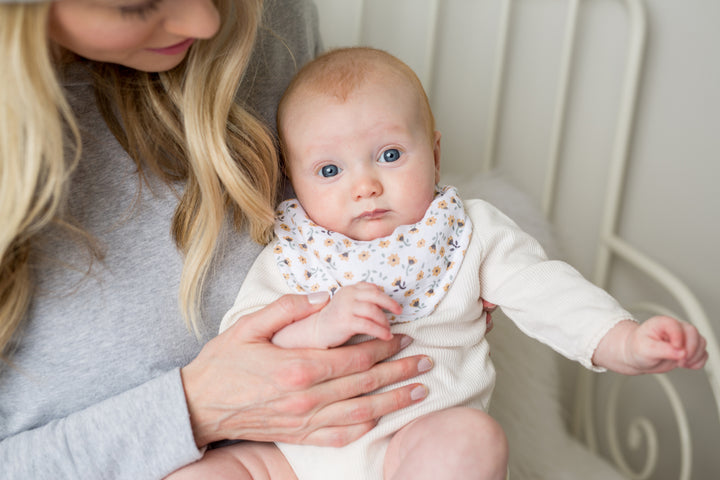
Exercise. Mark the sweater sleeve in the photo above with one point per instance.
(549, 300)
(143, 433)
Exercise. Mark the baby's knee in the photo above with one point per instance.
(473, 443)
(474, 432)
(464, 442)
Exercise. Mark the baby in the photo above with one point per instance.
(401, 255)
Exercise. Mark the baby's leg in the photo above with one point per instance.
(458, 442)
(241, 461)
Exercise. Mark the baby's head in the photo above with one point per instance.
(359, 142)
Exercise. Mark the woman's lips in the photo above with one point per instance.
(174, 49)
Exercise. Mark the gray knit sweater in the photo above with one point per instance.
(95, 391)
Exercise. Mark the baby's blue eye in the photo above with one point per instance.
(390, 155)
(329, 171)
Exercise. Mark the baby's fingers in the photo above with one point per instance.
(372, 320)
(369, 327)
(371, 293)
(695, 346)
(697, 362)
(655, 352)
(667, 329)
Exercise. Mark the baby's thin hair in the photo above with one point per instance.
(339, 72)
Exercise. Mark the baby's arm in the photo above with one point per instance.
(354, 310)
(657, 345)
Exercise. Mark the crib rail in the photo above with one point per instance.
(612, 245)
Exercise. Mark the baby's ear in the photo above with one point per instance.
(436, 154)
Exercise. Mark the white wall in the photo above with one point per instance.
(672, 204)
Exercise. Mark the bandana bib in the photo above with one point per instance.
(415, 265)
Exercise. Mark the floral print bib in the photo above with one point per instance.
(415, 265)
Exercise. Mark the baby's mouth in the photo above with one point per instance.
(373, 214)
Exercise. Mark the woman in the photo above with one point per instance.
(137, 184)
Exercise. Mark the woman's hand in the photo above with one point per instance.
(241, 386)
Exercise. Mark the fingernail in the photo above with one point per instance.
(405, 341)
(424, 364)
(318, 297)
(418, 392)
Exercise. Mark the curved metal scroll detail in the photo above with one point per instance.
(643, 428)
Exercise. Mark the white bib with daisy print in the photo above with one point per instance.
(415, 265)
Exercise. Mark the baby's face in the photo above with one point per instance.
(363, 166)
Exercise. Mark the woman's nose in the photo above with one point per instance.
(193, 19)
(367, 186)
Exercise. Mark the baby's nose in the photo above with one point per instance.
(367, 186)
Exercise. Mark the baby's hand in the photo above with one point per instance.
(354, 310)
(661, 344)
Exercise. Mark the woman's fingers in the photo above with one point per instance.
(381, 375)
(340, 422)
(350, 359)
(339, 409)
(348, 420)
(314, 367)
(266, 322)
(338, 436)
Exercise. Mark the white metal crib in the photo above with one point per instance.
(422, 33)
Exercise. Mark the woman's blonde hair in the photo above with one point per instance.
(206, 137)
